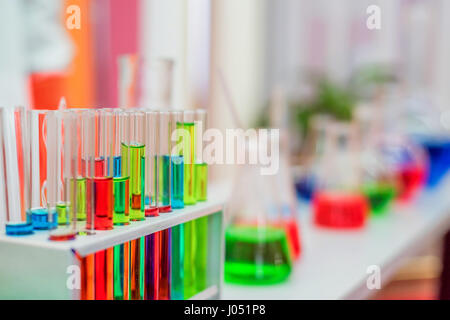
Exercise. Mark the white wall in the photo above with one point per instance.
(164, 35)
(13, 78)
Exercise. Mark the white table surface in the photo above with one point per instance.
(333, 264)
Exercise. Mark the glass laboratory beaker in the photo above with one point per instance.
(339, 203)
(286, 203)
(378, 180)
(409, 163)
(15, 172)
(257, 248)
(307, 181)
(437, 148)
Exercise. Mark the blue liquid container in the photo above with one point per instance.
(305, 186)
(19, 228)
(177, 183)
(117, 166)
(40, 221)
(438, 150)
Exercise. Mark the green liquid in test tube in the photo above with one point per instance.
(190, 245)
(201, 254)
(189, 166)
(177, 289)
(121, 271)
(121, 171)
(62, 209)
(201, 184)
(164, 180)
(135, 161)
(80, 184)
(121, 200)
(201, 181)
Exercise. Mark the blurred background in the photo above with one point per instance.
(303, 65)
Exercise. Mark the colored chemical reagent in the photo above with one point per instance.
(136, 163)
(201, 181)
(340, 210)
(380, 196)
(177, 182)
(410, 179)
(256, 255)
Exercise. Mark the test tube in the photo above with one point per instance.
(177, 160)
(52, 168)
(121, 170)
(103, 180)
(84, 200)
(189, 156)
(134, 156)
(164, 162)
(121, 271)
(201, 167)
(152, 241)
(88, 167)
(121, 216)
(137, 266)
(15, 171)
(201, 224)
(177, 232)
(81, 173)
(103, 264)
(151, 165)
(43, 173)
(66, 169)
(164, 172)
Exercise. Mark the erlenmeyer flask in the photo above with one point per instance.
(408, 161)
(257, 248)
(286, 204)
(308, 180)
(283, 184)
(378, 181)
(339, 202)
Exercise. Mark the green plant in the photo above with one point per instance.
(330, 99)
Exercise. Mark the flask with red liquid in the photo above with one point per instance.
(339, 203)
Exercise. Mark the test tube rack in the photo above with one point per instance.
(33, 267)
